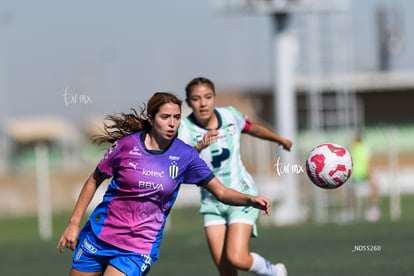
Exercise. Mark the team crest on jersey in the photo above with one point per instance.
(173, 169)
(231, 129)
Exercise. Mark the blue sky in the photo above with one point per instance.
(108, 56)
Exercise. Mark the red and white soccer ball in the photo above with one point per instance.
(329, 165)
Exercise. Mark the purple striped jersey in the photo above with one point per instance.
(143, 188)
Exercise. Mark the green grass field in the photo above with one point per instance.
(383, 248)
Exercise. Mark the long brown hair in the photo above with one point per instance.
(119, 125)
(198, 81)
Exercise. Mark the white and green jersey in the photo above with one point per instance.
(222, 156)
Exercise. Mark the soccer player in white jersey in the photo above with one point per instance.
(215, 132)
(147, 165)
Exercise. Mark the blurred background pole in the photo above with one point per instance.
(43, 191)
(6, 19)
(285, 54)
(395, 193)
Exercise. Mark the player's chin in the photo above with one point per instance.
(169, 135)
(204, 114)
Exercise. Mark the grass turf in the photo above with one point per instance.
(383, 248)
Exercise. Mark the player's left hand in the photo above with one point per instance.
(287, 144)
(261, 203)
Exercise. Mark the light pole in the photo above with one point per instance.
(285, 56)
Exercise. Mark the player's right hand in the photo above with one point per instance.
(209, 138)
(69, 238)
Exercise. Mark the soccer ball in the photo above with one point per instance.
(329, 165)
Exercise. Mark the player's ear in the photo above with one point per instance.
(150, 120)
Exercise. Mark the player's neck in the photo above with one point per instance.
(153, 142)
(210, 123)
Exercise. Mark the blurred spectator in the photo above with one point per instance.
(361, 176)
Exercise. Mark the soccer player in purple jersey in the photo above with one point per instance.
(147, 164)
(215, 132)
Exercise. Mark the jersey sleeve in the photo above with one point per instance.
(108, 165)
(197, 171)
(242, 122)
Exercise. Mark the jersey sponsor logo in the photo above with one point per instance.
(133, 165)
(88, 246)
(152, 173)
(135, 151)
(150, 185)
(218, 157)
(224, 174)
(231, 129)
(173, 169)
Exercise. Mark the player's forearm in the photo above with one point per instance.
(227, 195)
(85, 197)
(265, 133)
(232, 197)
